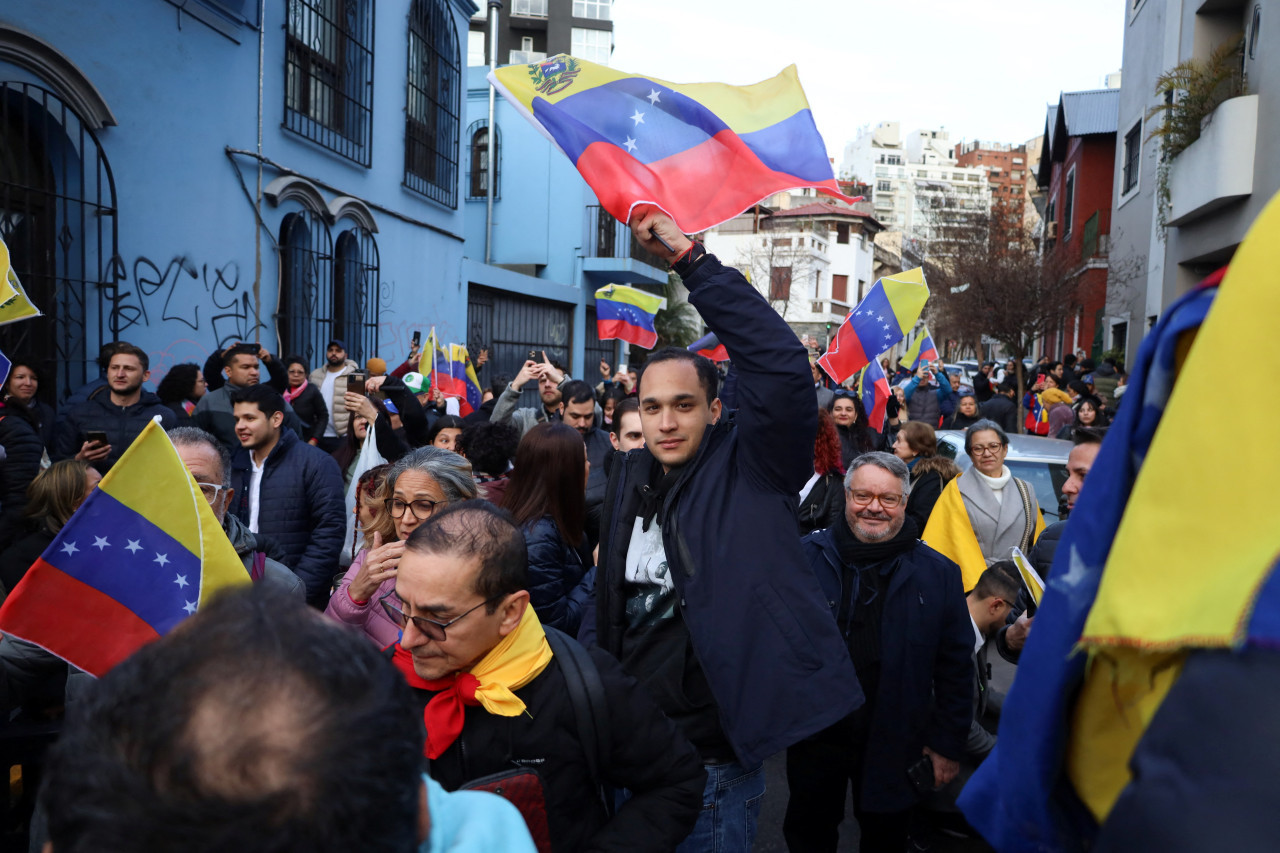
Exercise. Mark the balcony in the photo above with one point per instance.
(613, 256)
(1217, 168)
(829, 308)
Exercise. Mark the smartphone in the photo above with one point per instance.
(355, 383)
(921, 775)
(417, 338)
(96, 436)
(1040, 379)
(533, 355)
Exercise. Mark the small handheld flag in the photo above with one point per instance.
(14, 303)
(703, 152)
(141, 554)
(880, 320)
(873, 389)
(627, 314)
(463, 382)
(921, 350)
(1030, 577)
(710, 347)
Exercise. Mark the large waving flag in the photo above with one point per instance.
(142, 553)
(435, 363)
(627, 314)
(880, 320)
(703, 152)
(709, 346)
(1073, 719)
(873, 388)
(922, 350)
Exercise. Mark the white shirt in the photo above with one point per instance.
(326, 391)
(979, 641)
(255, 488)
(808, 487)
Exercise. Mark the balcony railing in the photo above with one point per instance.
(1093, 244)
(607, 240)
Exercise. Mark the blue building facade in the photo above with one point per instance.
(182, 174)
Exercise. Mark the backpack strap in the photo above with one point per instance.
(1024, 492)
(586, 694)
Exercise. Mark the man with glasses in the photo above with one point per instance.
(210, 465)
(901, 609)
(288, 490)
(496, 699)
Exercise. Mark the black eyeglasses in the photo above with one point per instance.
(430, 628)
(422, 510)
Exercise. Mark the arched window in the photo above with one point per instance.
(478, 174)
(302, 320)
(58, 217)
(356, 284)
(431, 117)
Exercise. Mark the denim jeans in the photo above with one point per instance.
(730, 810)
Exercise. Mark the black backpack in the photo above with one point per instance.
(590, 710)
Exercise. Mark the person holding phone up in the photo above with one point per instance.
(99, 430)
(926, 406)
(550, 378)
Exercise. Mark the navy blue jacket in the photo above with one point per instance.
(925, 695)
(555, 569)
(756, 617)
(302, 508)
(122, 424)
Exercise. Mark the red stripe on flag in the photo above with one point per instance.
(717, 354)
(624, 331)
(73, 620)
(845, 357)
(680, 181)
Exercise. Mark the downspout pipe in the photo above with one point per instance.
(492, 134)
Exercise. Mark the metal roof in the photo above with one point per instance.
(1095, 111)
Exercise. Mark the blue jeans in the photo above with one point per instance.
(730, 810)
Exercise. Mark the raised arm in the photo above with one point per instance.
(777, 417)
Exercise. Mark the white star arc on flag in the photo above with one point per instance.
(630, 144)
(133, 547)
(638, 118)
(654, 95)
(181, 581)
(101, 543)
(190, 607)
(162, 559)
(69, 548)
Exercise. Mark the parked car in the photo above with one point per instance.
(1041, 462)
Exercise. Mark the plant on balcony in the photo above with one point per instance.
(679, 324)
(1191, 91)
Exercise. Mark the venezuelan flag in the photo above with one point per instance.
(922, 350)
(142, 553)
(880, 320)
(709, 346)
(626, 314)
(703, 152)
(873, 389)
(434, 362)
(463, 377)
(14, 303)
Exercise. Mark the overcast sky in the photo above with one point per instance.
(983, 69)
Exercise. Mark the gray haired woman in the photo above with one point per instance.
(1001, 511)
(418, 483)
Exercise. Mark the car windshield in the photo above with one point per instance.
(1046, 479)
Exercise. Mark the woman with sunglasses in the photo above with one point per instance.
(417, 484)
(547, 496)
(856, 437)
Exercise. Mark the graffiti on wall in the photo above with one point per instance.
(205, 299)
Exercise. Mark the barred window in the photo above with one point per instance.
(478, 175)
(431, 122)
(328, 94)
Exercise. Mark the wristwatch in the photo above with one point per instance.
(685, 263)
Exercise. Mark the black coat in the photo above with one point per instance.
(823, 506)
(310, 408)
(925, 694)
(20, 556)
(302, 508)
(649, 758)
(555, 568)
(45, 422)
(756, 618)
(22, 454)
(1003, 411)
(925, 492)
(122, 424)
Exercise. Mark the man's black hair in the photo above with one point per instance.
(577, 391)
(708, 378)
(1086, 366)
(623, 406)
(477, 529)
(1000, 580)
(1111, 361)
(1070, 359)
(230, 353)
(122, 348)
(108, 350)
(256, 726)
(266, 398)
(489, 446)
(499, 384)
(1079, 387)
(1050, 365)
(1008, 385)
(1088, 435)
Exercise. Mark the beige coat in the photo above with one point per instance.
(339, 408)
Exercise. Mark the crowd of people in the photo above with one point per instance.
(610, 607)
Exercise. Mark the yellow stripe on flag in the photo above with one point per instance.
(646, 302)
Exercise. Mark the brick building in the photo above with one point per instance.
(1076, 175)
(1007, 173)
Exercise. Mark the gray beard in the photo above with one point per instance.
(866, 536)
